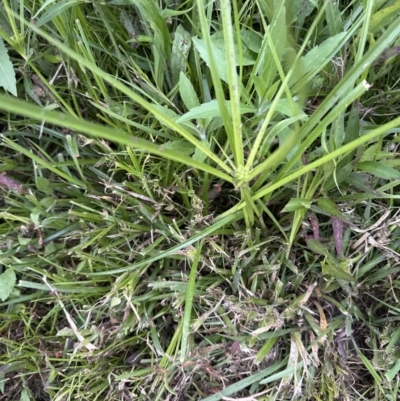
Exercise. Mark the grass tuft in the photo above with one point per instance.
(198, 200)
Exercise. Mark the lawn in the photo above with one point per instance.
(198, 200)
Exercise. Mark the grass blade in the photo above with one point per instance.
(189, 301)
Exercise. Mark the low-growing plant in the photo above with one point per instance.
(199, 200)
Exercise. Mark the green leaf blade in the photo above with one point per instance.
(7, 283)
(211, 110)
(7, 74)
(379, 170)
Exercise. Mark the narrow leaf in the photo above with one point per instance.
(25, 395)
(318, 248)
(187, 92)
(333, 270)
(328, 206)
(180, 50)
(189, 301)
(296, 204)
(284, 106)
(181, 146)
(267, 68)
(379, 169)
(54, 11)
(42, 8)
(252, 40)
(361, 181)
(152, 14)
(393, 372)
(333, 17)
(210, 110)
(7, 283)
(315, 60)
(247, 58)
(218, 55)
(332, 209)
(264, 350)
(7, 74)
(383, 17)
(304, 9)
(248, 381)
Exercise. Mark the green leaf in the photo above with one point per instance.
(151, 12)
(7, 74)
(24, 395)
(239, 385)
(179, 54)
(51, 165)
(252, 40)
(263, 352)
(303, 8)
(338, 177)
(284, 107)
(210, 110)
(361, 181)
(247, 57)
(216, 123)
(374, 373)
(286, 136)
(351, 132)
(187, 92)
(331, 209)
(265, 65)
(393, 372)
(337, 133)
(316, 59)
(181, 146)
(283, 374)
(296, 204)
(379, 169)
(155, 26)
(35, 216)
(175, 117)
(383, 17)
(166, 12)
(54, 11)
(43, 7)
(190, 293)
(199, 155)
(331, 269)
(141, 40)
(7, 283)
(333, 17)
(218, 55)
(318, 248)
(275, 131)
(65, 332)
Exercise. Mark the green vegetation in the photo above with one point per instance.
(199, 200)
